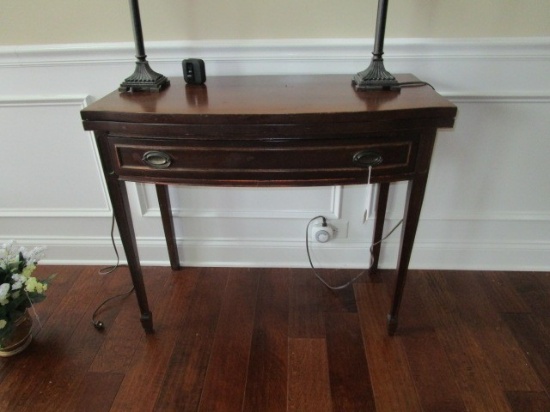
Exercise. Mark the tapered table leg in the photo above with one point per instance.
(121, 207)
(415, 196)
(168, 225)
(381, 204)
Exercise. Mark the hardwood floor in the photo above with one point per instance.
(277, 340)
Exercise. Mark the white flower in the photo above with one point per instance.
(34, 255)
(4, 290)
(8, 249)
(19, 281)
(8, 246)
(3, 323)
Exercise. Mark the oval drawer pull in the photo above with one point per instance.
(367, 158)
(157, 160)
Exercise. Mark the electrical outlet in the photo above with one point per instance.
(334, 229)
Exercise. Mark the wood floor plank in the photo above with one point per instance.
(534, 337)
(529, 401)
(350, 382)
(502, 293)
(266, 385)
(308, 376)
(225, 378)
(305, 314)
(392, 384)
(480, 388)
(94, 393)
(144, 379)
(337, 300)
(309, 298)
(503, 353)
(190, 322)
(534, 289)
(429, 366)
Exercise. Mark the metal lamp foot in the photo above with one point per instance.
(144, 79)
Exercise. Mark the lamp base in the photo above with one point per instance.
(375, 77)
(144, 79)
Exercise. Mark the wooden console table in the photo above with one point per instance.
(267, 131)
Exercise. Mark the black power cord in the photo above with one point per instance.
(415, 84)
(98, 324)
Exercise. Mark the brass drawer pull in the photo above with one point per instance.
(157, 160)
(366, 158)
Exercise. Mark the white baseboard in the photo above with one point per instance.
(211, 253)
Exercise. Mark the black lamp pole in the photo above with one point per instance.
(376, 77)
(144, 78)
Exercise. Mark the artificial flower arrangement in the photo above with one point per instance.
(19, 290)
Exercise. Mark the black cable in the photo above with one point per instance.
(99, 325)
(415, 84)
(108, 269)
(345, 285)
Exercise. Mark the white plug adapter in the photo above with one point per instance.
(322, 234)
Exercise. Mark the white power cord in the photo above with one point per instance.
(345, 285)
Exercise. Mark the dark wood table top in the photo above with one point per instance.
(272, 99)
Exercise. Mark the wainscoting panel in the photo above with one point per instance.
(52, 165)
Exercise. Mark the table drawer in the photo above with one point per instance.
(269, 162)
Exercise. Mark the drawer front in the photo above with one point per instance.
(310, 161)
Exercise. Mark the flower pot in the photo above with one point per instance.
(19, 339)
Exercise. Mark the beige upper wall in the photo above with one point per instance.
(27, 22)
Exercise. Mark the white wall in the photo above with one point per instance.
(25, 22)
(488, 196)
